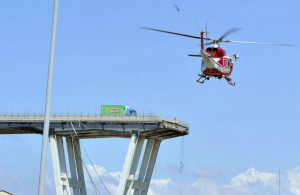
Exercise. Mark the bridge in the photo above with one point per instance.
(71, 128)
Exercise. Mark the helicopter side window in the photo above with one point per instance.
(225, 62)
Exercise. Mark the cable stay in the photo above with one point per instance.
(181, 166)
(86, 169)
(81, 144)
(95, 170)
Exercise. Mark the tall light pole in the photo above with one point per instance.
(48, 104)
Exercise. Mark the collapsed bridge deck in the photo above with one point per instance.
(95, 126)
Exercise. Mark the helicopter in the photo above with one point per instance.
(215, 62)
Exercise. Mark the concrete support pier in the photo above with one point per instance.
(64, 183)
(128, 184)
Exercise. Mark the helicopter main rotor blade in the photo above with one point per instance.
(209, 43)
(278, 44)
(230, 31)
(174, 33)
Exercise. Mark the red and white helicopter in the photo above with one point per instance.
(215, 62)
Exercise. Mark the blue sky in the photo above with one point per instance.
(103, 57)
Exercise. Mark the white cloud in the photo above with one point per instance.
(250, 182)
(251, 176)
(294, 180)
(151, 192)
(163, 186)
(110, 179)
(96, 168)
(115, 175)
(203, 186)
(161, 182)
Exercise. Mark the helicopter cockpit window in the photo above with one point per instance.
(212, 51)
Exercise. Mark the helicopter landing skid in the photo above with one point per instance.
(202, 78)
(228, 79)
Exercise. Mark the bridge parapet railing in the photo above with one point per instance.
(68, 115)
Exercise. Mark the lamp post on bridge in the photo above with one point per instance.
(48, 104)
